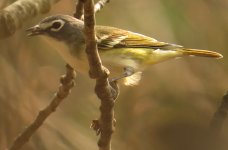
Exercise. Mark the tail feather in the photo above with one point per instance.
(202, 53)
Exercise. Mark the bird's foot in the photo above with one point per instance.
(128, 71)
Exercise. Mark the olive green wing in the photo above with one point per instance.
(110, 37)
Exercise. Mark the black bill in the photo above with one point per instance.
(36, 30)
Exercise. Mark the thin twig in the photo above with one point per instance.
(220, 115)
(79, 9)
(106, 92)
(99, 5)
(67, 82)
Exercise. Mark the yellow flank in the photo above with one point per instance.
(141, 56)
(126, 56)
(133, 53)
(159, 55)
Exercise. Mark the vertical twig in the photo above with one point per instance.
(99, 5)
(106, 92)
(220, 115)
(67, 82)
(79, 9)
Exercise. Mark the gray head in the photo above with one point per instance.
(60, 27)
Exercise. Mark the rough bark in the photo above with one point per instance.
(14, 16)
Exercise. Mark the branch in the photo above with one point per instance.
(67, 82)
(220, 115)
(79, 8)
(105, 91)
(99, 5)
(14, 16)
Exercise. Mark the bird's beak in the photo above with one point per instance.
(35, 30)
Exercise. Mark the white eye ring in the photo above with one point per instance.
(61, 24)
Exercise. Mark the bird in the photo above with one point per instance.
(126, 54)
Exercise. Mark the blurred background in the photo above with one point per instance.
(170, 109)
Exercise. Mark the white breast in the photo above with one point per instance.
(78, 63)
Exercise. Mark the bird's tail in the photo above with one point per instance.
(160, 55)
(201, 53)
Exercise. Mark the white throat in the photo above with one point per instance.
(78, 63)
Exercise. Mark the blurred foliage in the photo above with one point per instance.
(169, 110)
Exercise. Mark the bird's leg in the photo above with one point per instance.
(128, 71)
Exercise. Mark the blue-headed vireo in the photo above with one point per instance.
(124, 53)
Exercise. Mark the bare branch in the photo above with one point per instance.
(220, 115)
(106, 92)
(67, 82)
(14, 16)
(79, 9)
(100, 4)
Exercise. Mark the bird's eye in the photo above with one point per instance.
(56, 25)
